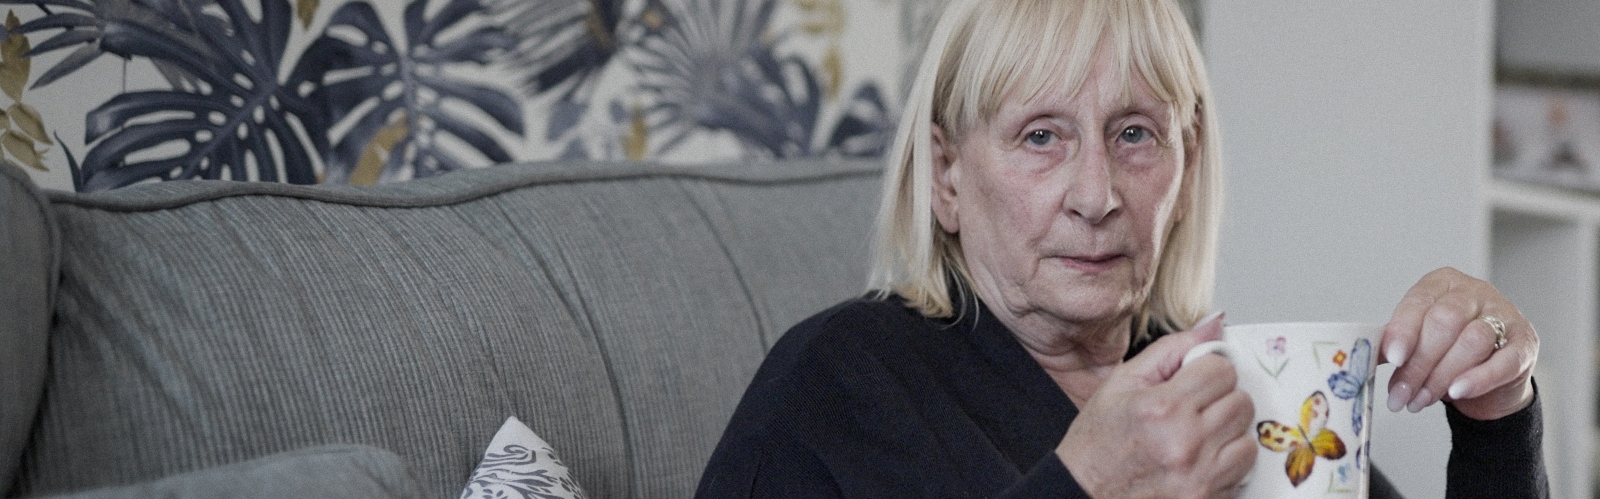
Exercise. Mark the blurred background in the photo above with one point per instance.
(1369, 143)
(1366, 142)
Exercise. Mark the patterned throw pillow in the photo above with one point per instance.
(519, 464)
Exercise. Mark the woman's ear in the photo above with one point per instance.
(946, 174)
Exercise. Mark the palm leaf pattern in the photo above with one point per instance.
(402, 83)
(361, 104)
(82, 23)
(229, 122)
(229, 111)
(867, 127)
(714, 66)
(561, 42)
(715, 69)
(563, 46)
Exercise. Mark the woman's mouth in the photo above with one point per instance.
(1092, 264)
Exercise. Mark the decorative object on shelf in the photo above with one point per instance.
(1547, 129)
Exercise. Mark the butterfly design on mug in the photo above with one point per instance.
(1351, 383)
(1304, 443)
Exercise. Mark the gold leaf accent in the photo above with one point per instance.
(22, 148)
(14, 66)
(637, 144)
(306, 10)
(826, 18)
(832, 72)
(377, 152)
(652, 18)
(30, 122)
(822, 17)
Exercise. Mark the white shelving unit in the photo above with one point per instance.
(1544, 250)
(1545, 242)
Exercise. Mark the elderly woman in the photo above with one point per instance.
(1047, 238)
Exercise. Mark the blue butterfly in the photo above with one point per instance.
(1352, 382)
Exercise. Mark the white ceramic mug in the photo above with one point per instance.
(1311, 383)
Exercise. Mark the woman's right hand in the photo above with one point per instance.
(1153, 430)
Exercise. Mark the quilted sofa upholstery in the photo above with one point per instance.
(159, 333)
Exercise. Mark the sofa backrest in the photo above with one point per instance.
(618, 309)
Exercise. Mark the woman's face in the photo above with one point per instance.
(1062, 202)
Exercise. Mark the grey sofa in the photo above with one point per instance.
(217, 338)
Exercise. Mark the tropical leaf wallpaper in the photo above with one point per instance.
(101, 94)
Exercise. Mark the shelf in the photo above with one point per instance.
(1552, 202)
(1547, 78)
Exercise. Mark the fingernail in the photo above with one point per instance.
(1459, 390)
(1424, 397)
(1214, 317)
(1398, 396)
(1396, 354)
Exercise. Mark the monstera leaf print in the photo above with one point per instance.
(866, 129)
(716, 69)
(563, 45)
(396, 94)
(82, 24)
(714, 66)
(561, 41)
(229, 121)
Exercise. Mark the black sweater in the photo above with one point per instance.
(871, 399)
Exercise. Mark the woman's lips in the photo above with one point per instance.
(1091, 264)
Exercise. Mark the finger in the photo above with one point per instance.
(1500, 401)
(1441, 324)
(1235, 459)
(1204, 381)
(1221, 426)
(1400, 335)
(1512, 363)
(1229, 415)
(1506, 366)
(1208, 328)
(1159, 361)
(1472, 347)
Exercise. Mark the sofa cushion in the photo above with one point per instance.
(344, 471)
(621, 309)
(28, 270)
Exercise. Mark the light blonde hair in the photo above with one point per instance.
(984, 51)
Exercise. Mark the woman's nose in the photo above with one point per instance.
(1090, 195)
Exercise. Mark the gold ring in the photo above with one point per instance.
(1499, 328)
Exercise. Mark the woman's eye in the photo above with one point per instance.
(1041, 137)
(1135, 134)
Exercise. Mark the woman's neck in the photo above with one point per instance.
(1077, 356)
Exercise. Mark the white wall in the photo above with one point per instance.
(1355, 137)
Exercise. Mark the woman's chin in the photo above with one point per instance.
(1096, 309)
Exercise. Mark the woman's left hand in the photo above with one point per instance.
(1442, 340)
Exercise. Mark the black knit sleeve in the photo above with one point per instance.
(1047, 479)
(1499, 459)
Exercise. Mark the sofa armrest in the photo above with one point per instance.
(29, 263)
(332, 471)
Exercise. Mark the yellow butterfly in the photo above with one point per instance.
(1303, 451)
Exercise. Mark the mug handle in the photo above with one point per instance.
(1218, 347)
